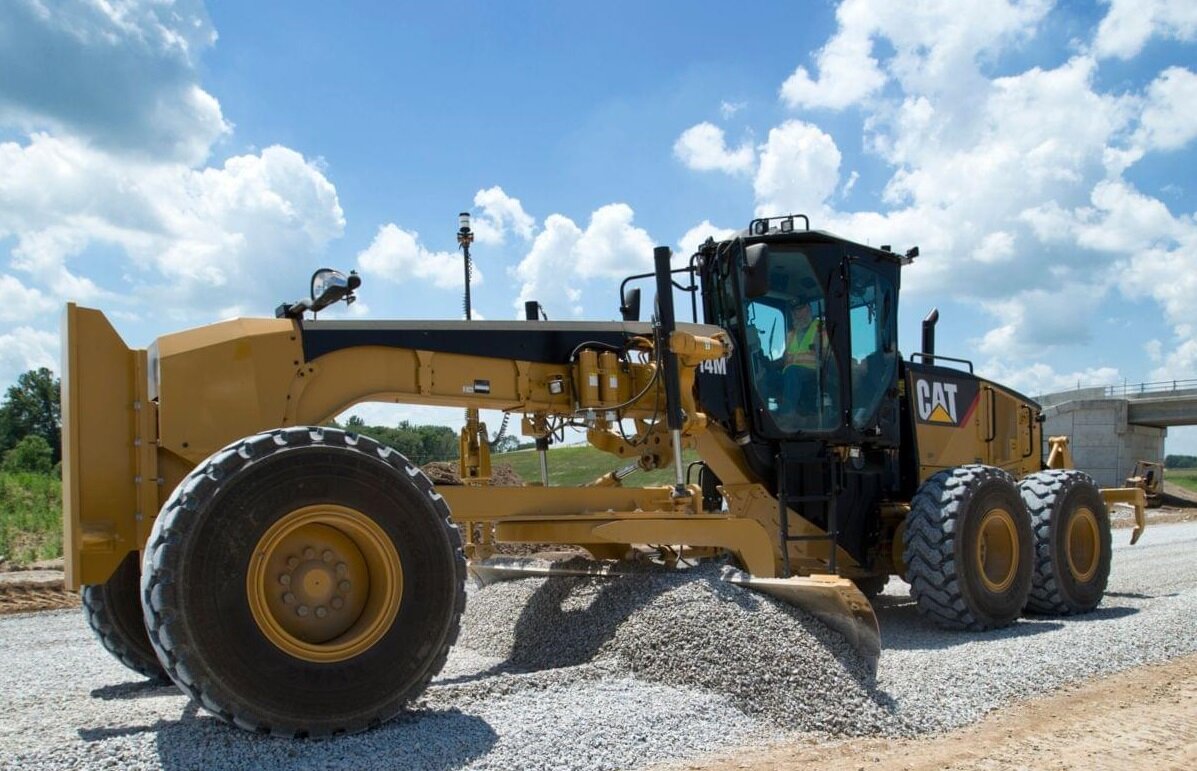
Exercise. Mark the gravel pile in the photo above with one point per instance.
(687, 629)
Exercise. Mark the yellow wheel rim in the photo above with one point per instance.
(1083, 545)
(997, 550)
(324, 583)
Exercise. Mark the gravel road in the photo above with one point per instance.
(581, 675)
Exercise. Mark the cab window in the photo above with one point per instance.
(872, 314)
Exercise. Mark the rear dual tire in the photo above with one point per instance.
(113, 611)
(1072, 542)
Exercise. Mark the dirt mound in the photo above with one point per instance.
(445, 473)
(24, 591)
(1180, 497)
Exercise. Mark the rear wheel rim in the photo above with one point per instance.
(997, 550)
(1083, 544)
(324, 583)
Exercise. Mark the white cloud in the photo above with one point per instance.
(547, 272)
(500, 214)
(848, 73)
(120, 74)
(25, 348)
(1129, 24)
(1039, 378)
(1032, 323)
(189, 238)
(21, 301)
(1167, 122)
(935, 44)
(397, 255)
(564, 256)
(995, 248)
(798, 172)
(849, 184)
(611, 246)
(729, 109)
(704, 148)
(694, 237)
(1179, 364)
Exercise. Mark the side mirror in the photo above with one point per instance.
(630, 309)
(756, 271)
(330, 286)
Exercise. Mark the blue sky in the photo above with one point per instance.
(178, 163)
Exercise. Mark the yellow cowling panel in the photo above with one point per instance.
(998, 429)
(218, 383)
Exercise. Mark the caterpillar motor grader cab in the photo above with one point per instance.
(299, 579)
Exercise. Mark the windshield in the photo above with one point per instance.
(793, 367)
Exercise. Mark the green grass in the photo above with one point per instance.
(579, 465)
(30, 517)
(1185, 477)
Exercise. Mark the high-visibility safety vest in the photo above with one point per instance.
(799, 348)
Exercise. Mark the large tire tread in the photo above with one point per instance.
(1041, 492)
(203, 482)
(929, 551)
(121, 630)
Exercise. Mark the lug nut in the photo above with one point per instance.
(309, 553)
(289, 598)
(337, 603)
(327, 556)
(292, 562)
(342, 570)
(344, 586)
(302, 610)
(321, 612)
(285, 579)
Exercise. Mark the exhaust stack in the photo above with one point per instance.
(929, 335)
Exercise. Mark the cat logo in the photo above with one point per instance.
(713, 366)
(936, 401)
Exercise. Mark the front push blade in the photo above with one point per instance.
(835, 601)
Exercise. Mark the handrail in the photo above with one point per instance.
(1157, 387)
(1133, 390)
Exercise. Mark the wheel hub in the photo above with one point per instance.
(325, 583)
(1083, 544)
(997, 550)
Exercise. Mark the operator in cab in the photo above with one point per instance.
(805, 343)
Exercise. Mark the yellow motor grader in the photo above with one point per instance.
(302, 580)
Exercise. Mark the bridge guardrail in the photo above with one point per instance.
(1158, 388)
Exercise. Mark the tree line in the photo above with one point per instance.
(31, 423)
(1180, 461)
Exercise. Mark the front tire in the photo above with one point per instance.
(968, 548)
(1072, 542)
(304, 582)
